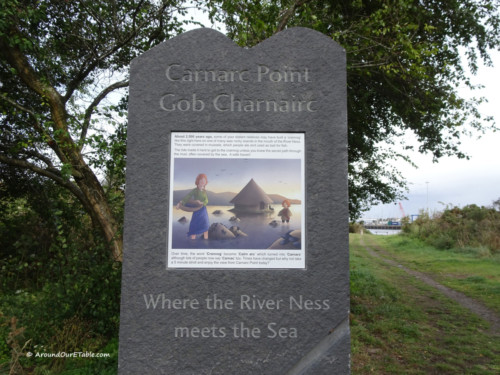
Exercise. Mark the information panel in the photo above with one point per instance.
(238, 200)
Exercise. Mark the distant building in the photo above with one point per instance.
(252, 199)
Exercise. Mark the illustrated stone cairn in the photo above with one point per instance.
(218, 231)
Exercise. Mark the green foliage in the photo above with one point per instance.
(364, 284)
(61, 57)
(4, 334)
(57, 278)
(356, 228)
(403, 69)
(101, 366)
(59, 61)
(471, 229)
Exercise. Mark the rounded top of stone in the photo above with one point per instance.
(207, 38)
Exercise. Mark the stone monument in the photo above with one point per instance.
(236, 218)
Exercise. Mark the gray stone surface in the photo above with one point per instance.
(147, 336)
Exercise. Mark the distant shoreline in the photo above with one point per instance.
(224, 199)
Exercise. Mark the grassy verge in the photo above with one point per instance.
(469, 272)
(33, 342)
(402, 326)
(102, 359)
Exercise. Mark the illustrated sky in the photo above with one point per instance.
(275, 176)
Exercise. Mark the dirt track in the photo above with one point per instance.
(476, 307)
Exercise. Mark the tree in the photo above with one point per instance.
(60, 60)
(404, 66)
(58, 63)
(496, 204)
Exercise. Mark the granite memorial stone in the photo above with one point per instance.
(236, 219)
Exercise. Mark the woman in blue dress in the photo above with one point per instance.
(196, 202)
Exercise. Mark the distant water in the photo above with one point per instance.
(260, 234)
(385, 232)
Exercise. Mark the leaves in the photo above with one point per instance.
(59, 61)
(404, 66)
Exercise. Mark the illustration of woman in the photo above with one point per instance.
(196, 202)
(285, 213)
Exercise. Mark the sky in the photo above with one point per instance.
(274, 176)
(452, 181)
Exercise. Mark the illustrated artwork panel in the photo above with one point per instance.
(237, 200)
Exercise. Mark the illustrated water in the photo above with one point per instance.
(261, 229)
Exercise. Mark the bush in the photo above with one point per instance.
(356, 228)
(470, 227)
(57, 279)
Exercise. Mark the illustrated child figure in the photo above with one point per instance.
(196, 202)
(285, 213)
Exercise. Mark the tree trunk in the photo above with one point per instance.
(92, 194)
(97, 206)
(96, 203)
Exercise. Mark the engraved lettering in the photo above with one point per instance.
(261, 71)
(176, 72)
(235, 104)
(306, 304)
(281, 332)
(284, 74)
(309, 106)
(226, 102)
(166, 107)
(259, 102)
(275, 76)
(284, 107)
(255, 303)
(169, 103)
(168, 73)
(268, 105)
(244, 76)
(249, 106)
(218, 106)
(306, 75)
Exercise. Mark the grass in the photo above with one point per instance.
(70, 366)
(403, 326)
(75, 335)
(465, 271)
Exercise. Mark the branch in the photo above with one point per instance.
(367, 65)
(29, 76)
(50, 166)
(37, 125)
(289, 13)
(20, 62)
(32, 113)
(95, 103)
(19, 106)
(86, 69)
(45, 159)
(81, 75)
(52, 174)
